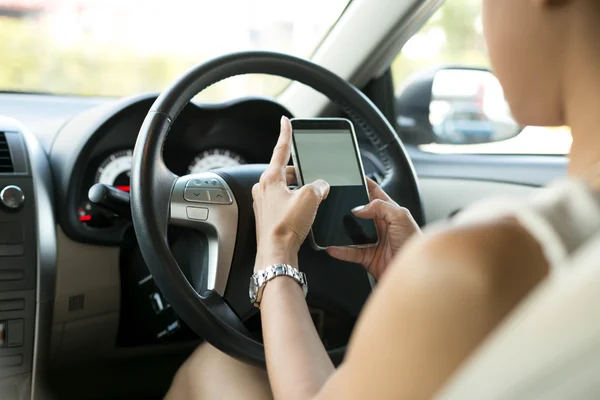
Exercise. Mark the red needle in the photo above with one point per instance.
(124, 188)
(84, 218)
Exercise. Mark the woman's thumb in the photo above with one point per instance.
(375, 209)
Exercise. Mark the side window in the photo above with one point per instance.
(447, 101)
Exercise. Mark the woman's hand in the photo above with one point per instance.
(394, 226)
(283, 217)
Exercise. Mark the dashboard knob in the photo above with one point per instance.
(12, 197)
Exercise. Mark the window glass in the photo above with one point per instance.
(125, 47)
(454, 36)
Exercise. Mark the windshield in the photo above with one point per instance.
(124, 47)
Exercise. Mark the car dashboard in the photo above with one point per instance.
(96, 300)
(94, 148)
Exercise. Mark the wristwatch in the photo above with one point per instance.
(259, 280)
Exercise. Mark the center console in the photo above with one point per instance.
(26, 263)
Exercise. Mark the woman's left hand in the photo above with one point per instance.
(283, 217)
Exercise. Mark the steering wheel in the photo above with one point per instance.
(212, 297)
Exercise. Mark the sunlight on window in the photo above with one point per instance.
(533, 140)
(425, 46)
(122, 47)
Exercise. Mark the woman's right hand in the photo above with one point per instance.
(395, 225)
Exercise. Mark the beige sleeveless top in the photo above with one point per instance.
(562, 217)
(549, 347)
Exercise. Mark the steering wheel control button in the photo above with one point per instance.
(12, 197)
(206, 195)
(197, 195)
(219, 196)
(197, 213)
(211, 183)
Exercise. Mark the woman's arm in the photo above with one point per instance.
(441, 298)
(297, 362)
(443, 294)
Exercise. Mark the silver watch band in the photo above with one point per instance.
(260, 279)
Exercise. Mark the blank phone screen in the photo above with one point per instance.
(330, 154)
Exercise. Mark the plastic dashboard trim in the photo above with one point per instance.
(43, 198)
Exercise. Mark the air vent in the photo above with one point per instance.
(6, 164)
(76, 302)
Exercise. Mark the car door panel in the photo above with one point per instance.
(443, 197)
(450, 182)
(515, 169)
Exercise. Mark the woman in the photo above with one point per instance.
(440, 293)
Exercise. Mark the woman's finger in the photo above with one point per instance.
(349, 254)
(282, 151)
(387, 211)
(290, 176)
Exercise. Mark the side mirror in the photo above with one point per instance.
(454, 106)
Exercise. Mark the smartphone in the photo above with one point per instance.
(326, 148)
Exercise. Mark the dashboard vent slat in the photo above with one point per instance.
(76, 302)
(6, 164)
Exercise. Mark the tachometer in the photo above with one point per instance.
(213, 159)
(115, 170)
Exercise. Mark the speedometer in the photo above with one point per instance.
(115, 170)
(213, 159)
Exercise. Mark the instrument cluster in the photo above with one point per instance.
(115, 170)
(97, 155)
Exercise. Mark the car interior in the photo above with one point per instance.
(126, 226)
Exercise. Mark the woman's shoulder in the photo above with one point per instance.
(562, 217)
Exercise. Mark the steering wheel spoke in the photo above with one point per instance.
(206, 202)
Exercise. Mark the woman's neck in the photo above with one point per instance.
(582, 113)
(585, 150)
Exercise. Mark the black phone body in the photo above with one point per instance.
(326, 148)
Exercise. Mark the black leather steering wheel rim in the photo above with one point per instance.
(152, 183)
